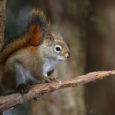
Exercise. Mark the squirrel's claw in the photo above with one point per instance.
(52, 78)
(49, 79)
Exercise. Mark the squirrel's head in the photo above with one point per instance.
(52, 43)
(55, 48)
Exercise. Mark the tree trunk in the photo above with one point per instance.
(2, 22)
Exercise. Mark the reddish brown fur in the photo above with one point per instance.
(31, 38)
(32, 48)
(36, 34)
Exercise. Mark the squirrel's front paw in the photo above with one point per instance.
(49, 79)
(23, 88)
(52, 78)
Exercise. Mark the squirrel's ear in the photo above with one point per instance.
(49, 38)
(57, 36)
(37, 26)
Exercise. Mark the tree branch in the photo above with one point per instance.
(2, 20)
(10, 101)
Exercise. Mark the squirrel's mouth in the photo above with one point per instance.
(61, 58)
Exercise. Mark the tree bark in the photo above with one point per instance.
(36, 91)
(2, 20)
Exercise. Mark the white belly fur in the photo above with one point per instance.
(49, 65)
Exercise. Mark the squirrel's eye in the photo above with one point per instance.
(58, 48)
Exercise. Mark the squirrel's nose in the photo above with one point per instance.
(68, 56)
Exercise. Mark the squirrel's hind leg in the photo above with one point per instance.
(23, 78)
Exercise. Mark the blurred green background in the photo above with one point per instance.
(88, 26)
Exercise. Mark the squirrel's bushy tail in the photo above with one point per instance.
(34, 36)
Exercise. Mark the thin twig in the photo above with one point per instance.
(10, 101)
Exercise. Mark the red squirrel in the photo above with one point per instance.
(33, 57)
